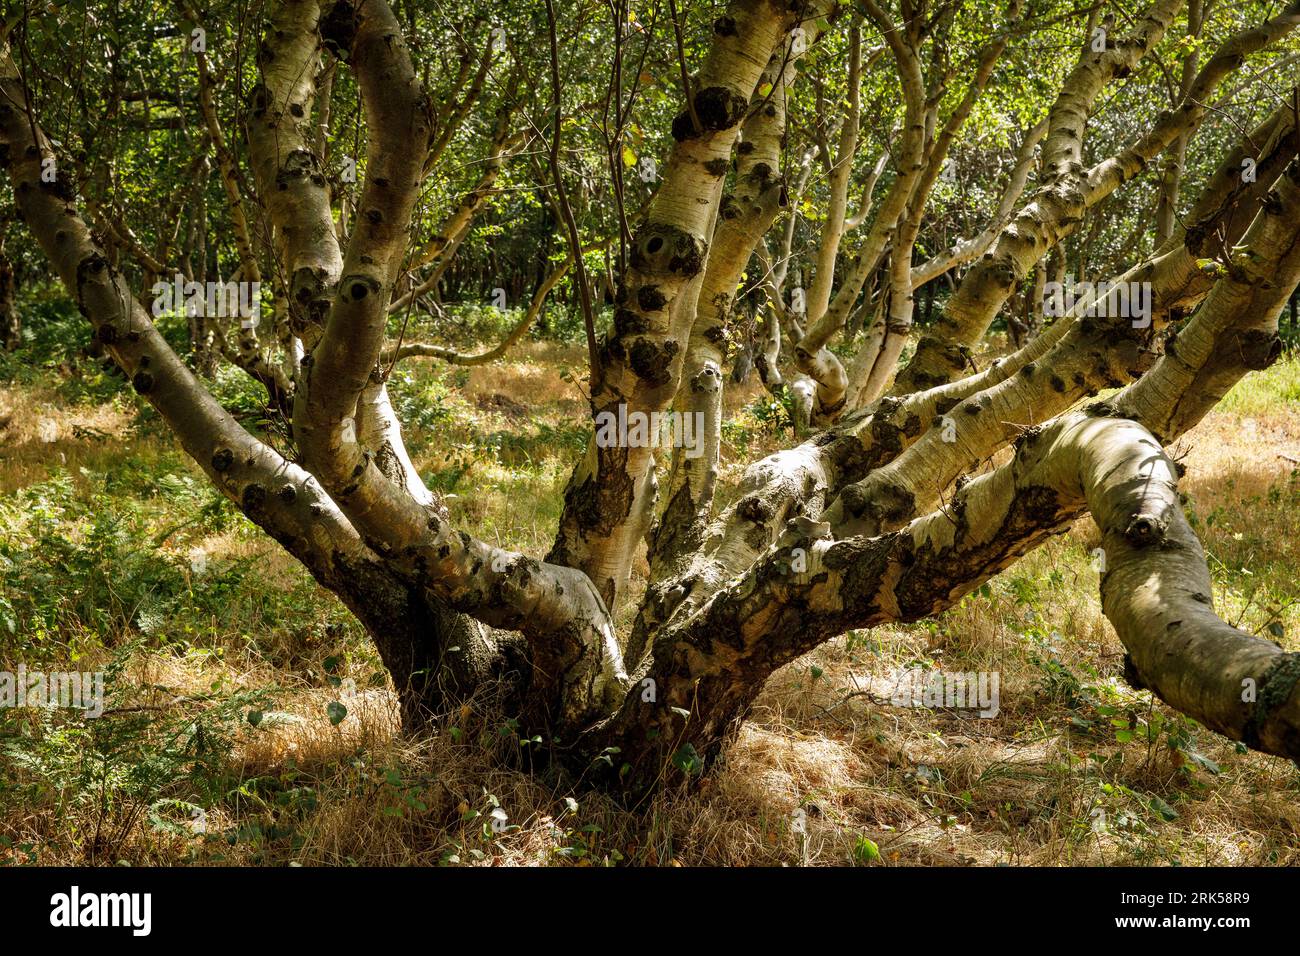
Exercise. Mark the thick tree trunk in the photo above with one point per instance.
(843, 531)
(10, 320)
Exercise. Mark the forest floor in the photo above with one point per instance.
(224, 659)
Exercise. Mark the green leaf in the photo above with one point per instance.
(336, 712)
(687, 759)
(1164, 809)
(255, 717)
(1202, 761)
(865, 850)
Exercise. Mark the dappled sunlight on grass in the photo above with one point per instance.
(113, 548)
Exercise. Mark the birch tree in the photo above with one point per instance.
(880, 510)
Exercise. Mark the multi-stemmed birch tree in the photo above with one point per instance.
(328, 127)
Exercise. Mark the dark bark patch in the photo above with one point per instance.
(651, 362)
(650, 298)
(1258, 348)
(852, 457)
(1145, 530)
(254, 496)
(299, 164)
(629, 323)
(935, 574)
(945, 405)
(62, 186)
(854, 500)
(1027, 437)
(665, 249)
(753, 508)
(359, 286)
(677, 527)
(886, 435)
(338, 29)
(891, 505)
(716, 107)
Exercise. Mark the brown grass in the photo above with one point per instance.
(925, 787)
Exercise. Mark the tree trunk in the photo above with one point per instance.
(10, 319)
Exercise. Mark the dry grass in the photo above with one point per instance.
(870, 783)
(36, 431)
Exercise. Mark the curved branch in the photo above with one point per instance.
(453, 357)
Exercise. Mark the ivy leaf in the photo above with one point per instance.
(336, 712)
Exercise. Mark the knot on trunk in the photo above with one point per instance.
(1145, 530)
(1276, 687)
